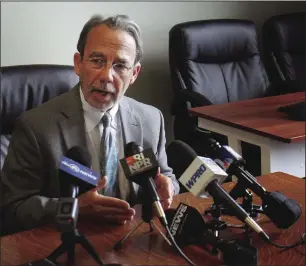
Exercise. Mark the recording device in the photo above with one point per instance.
(295, 111)
(204, 175)
(76, 178)
(281, 210)
(188, 227)
(141, 166)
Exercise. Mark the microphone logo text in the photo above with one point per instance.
(190, 183)
(77, 169)
(138, 162)
(177, 219)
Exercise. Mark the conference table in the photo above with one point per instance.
(257, 121)
(149, 248)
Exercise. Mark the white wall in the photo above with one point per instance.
(47, 33)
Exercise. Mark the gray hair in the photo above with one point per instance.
(121, 22)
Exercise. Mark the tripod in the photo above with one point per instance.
(66, 220)
(235, 252)
(217, 209)
(147, 217)
(69, 240)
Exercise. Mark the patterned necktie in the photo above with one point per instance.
(108, 158)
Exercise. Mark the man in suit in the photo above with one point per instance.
(107, 62)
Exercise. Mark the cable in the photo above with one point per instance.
(177, 247)
(236, 226)
(301, 242)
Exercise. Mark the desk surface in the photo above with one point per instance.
(149, 248)
(259, 116)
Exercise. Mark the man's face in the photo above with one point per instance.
(107, 67)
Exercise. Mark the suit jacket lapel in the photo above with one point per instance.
(131, 123)
(73, 125)
(131, 131)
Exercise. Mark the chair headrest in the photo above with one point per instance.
(27, 86)
(214, 41)
(287, 32)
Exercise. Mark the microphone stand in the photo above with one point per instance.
(247, 204)
(70, 235)
(147, 217)
(217, 209)
(239, 190)
(235, 252)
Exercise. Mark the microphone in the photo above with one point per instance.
(234, 164)
(141, 166)
(203, 176)
(188, 227)
(281, 210)
(75, 172)
(76, 178)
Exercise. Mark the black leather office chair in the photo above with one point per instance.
(213, 62)
(284, 50)
(25, 87)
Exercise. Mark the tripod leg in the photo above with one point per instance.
(151, 227)
(118, 244)
(57, 252)
(71, 253)
(90, 249)
(158, 229)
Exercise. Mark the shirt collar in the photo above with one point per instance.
(93, 115)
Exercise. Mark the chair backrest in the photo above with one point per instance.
(217, 58)
(25, 87)
(284, 48)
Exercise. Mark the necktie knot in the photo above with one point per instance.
(106, 120)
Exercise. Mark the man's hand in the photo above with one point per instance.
(165, 189)
(108, 208)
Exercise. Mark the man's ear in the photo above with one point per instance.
(136, 71)
(77, 63)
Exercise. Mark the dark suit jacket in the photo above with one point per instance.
(29, 179)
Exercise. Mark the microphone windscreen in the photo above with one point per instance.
(283, 211)
(139, 165)
(186, 224)
(132, 148)
(180, 155)
(170, 214)
(80, 155)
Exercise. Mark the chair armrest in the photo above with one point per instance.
(196, 99)
(187, 99)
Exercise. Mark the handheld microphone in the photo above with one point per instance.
(188, 227)
(75, 172)
(203, 176)
(141, 166)
(76, 178)
(234, 164)
(281, 210)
